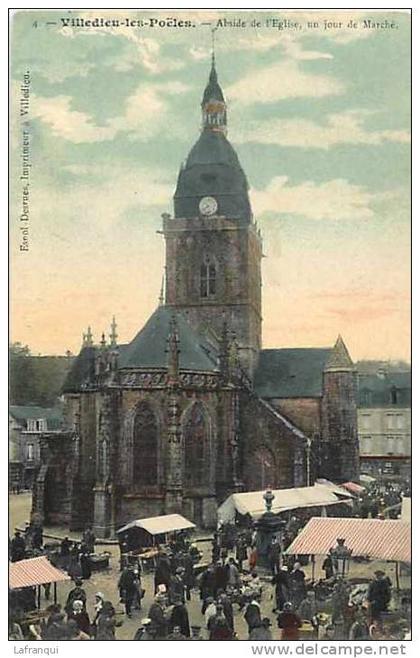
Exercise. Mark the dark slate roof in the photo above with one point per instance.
(213, 91)
(212, 169)
(291, 373)
(376, 390)
(53, 415)
(82, 370)
(148, 348)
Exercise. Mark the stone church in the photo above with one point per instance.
(193, 408)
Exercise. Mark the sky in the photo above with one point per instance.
(320, 119)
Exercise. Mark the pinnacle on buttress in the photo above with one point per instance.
(103, 341)
(173, 349)
(88, 337)
(113, 335)
(162, 292)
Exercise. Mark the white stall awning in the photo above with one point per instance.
(252, 502)
(159, 525)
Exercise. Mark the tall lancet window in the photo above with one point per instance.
(208, 279)
(145, 446)
(196, 450)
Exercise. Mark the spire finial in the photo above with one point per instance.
(213, 59)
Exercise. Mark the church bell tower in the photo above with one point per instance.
(213, 246)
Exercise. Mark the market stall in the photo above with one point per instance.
(143, 536)
(252, 503)
(27, 576)
(387, 540)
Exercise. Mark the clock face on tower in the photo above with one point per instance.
(208, 205)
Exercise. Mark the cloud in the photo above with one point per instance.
(334, 200)
(279, 81)
(342, 128)
(145, 111)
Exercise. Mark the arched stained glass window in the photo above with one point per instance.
(197, 460)
(145, 446)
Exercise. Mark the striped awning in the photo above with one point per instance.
(373, 538)
(353, 488)
(35, 571)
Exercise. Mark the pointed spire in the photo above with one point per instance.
(89, 337)
(213, 104)
(339, 359)
(113, 335)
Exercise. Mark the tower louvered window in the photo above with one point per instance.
(207, 280)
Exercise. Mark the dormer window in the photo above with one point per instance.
(208, 280)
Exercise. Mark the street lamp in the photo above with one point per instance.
(341, 555)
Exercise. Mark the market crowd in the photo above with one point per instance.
(232, 583)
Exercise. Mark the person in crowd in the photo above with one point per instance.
(206, 586)
(88, 539)
(232, 574)
(188, 576)
(74, 569)
(308, 607)
(176, 586)
(176, 635)
(215, 550)
(106, 623)
(220, 578)
(274, 553)
(74, 632)
(379, 595)
(85, 563)
(262, 632)
(218, 627)
(252, 560)
(359, 630)
(241, 552)
(196, 633)
(227, 607)
(80, 616)
(75, 594)
(56, 628)
(65, 547)
(127, 587)
(297, 586)
(163, 571)
(18, 547)
(99, 601)
(179, 617)
(158, 617)
(253, 614)
(37, 537)
(328, 567)
(210, 610)
(289, 622)
(281, 588)
(145, 632)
